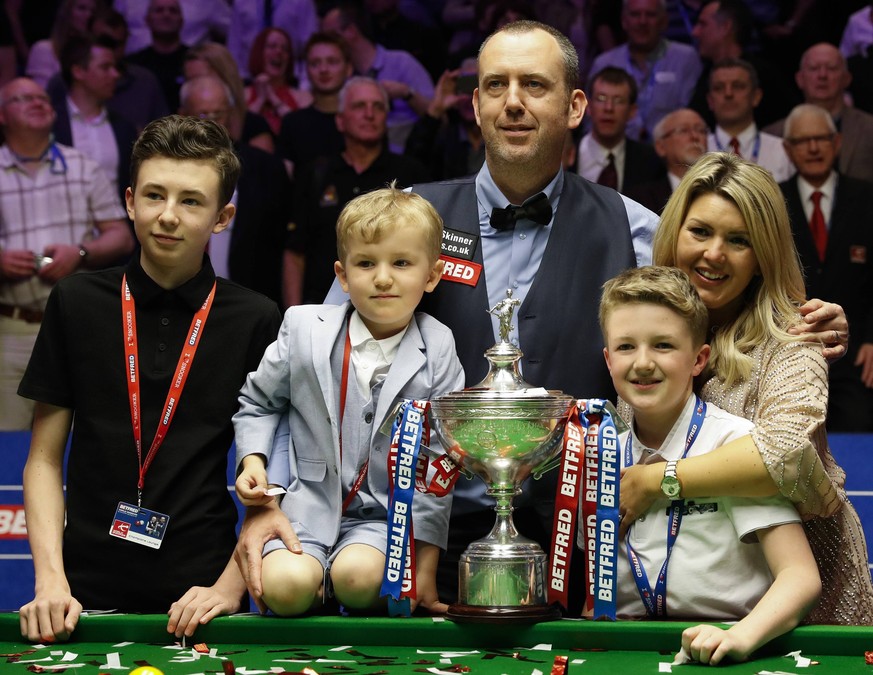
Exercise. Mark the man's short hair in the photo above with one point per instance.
(616, 76)
(353, 14)
(666, 287)
(568, 52)
(188, 138)
(736, 63)
(807, 109)
(738, 13)
(372, 215)
(190, 86)
(77, 52)
(324, 38)
(112, 18)
(355, 82)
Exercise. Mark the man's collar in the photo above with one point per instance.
(490, 197)
(616, 150)
(828, 188)
(193, 292)
(744, 137)
(75, 113)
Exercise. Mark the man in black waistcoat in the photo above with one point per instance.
(526, 101)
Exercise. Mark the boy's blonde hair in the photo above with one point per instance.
(371, 215)
(664, 286)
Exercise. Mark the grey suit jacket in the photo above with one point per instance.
(295, 385)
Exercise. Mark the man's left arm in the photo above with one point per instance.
(642, 229)
(113, 243)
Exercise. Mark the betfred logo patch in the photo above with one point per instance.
(12, 524)
(461, 271)
(858, 254)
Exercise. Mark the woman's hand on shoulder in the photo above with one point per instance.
(824, 322)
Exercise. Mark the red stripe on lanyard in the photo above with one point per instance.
(180, 376)
(344, 386)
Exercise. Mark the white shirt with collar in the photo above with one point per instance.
(765, 150)
(593, 159)
(828, 191)
(371, 358)
(94, 137)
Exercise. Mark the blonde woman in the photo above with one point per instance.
(726, 226)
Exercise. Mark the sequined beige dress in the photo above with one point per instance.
(786, 398)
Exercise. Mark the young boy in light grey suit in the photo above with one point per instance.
(324, 389)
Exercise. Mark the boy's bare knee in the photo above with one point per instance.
(292, 582)
(356, 576)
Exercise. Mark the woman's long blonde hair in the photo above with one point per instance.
(773, 296)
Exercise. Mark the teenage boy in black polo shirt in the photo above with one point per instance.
(105, 358)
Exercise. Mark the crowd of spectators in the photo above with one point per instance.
(666, 80)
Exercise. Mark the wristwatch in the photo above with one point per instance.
(670, 484)
(83, 254)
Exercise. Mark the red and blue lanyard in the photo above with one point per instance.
(655, 600)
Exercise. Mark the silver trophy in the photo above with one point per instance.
(503, 430)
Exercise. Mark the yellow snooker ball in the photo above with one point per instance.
(146, 670)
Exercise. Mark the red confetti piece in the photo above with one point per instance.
(229, 668)
(868, 658)
(559, 667)
(201, 648)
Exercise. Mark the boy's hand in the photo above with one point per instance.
(824, 322)
(428, 600)
(199, 606)
(710, 644)
(50, 616)
(251, 484)
(261, 524)
(426, 561)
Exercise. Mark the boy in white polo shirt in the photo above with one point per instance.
(730, 558)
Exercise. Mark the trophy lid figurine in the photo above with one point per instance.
(503, 430)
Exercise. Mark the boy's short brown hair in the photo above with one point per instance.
(188, 138)
(654, 285)
(371, 215)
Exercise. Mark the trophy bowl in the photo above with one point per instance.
(502, 430)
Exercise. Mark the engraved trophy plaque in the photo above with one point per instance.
(503, 430)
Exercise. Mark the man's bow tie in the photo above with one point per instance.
(537, 209)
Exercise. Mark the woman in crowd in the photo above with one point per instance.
(726, 226)
(211, 58)
(272, 93)
(72, 19)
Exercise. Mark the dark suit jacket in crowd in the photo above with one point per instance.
(124, 131)
(652, 194)
(845, 277)
(261, 222)
(641, 165)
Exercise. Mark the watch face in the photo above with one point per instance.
(671, 487)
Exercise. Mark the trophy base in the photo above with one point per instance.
(502, 615)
